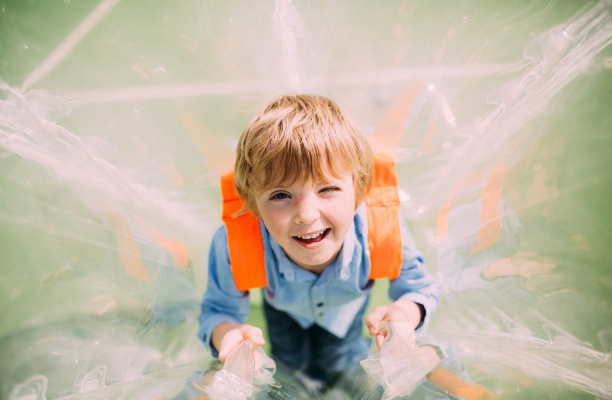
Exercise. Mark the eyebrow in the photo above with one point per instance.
(335, 181)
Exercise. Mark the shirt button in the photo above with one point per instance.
(320, 305)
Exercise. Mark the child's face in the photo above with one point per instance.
(324, 209)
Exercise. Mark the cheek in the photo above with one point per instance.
(276, 221)
(342, 214)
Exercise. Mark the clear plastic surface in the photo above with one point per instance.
(395, 366)
(238, 379)
(118, 117)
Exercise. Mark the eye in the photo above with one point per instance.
(330, 189)
(279, 196)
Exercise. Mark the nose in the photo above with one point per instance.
(307, 212)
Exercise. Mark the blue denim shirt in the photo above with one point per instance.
(330, 300)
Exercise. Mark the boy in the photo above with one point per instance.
(304, 169)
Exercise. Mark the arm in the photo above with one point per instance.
(224, 307)
(415, 294)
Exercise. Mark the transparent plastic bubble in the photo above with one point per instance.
(118, 118)
(238, 379)
(395, 366)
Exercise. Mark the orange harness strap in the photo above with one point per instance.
(243, 238)
(384, 237)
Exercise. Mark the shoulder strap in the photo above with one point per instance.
(243, 238)
(384, 236)
(490, 226)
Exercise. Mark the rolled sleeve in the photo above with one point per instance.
(415, 283)
(222, 301)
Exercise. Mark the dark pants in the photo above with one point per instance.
(315, 351)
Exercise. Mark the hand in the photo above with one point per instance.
(524, 263)
(227, 335)
(404, 315)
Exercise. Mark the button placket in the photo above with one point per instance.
(318, 303)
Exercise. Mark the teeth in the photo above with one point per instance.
(312, 236)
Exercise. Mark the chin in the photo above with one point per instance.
(314, 261)
(312, 258)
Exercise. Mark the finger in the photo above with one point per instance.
(379, 341)
(373, 320)
(230, 340)
(223, 353)
(254, 334)
(258, 362)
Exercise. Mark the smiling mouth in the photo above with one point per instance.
(317, 237)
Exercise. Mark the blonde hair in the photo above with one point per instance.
(295, 137)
